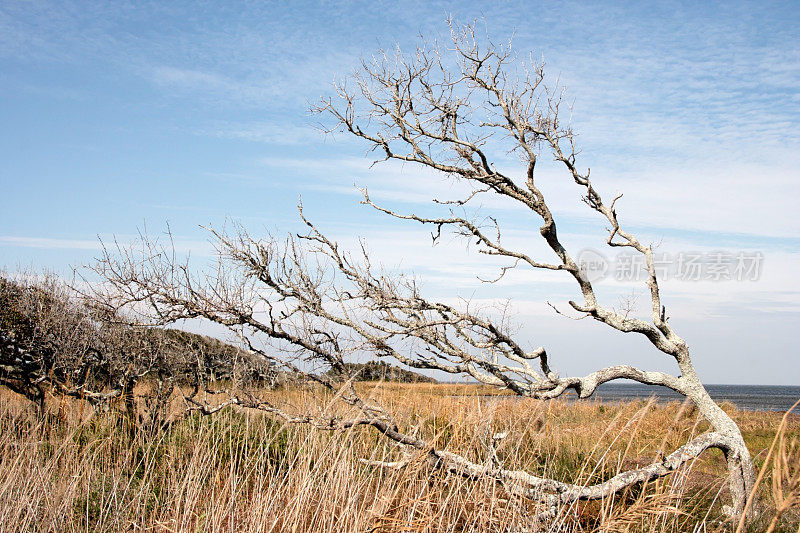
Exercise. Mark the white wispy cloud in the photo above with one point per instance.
(698, 198)
(272, 133)
(181, 246)
(50, 243)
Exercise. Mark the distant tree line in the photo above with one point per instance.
(379, 371)
(54, 342)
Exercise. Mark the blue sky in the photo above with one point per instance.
(118, 116)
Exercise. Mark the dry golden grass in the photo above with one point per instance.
(75, 470)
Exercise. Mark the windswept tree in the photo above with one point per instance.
(311, 307)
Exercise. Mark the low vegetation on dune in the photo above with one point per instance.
(73, 469)
(379, 371)
(75, 456)
(52, 339)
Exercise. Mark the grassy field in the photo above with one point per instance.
(76, 470)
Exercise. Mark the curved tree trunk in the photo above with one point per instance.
(741, 474)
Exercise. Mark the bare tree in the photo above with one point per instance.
(306, 305)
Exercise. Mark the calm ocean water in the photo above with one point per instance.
(751, 397)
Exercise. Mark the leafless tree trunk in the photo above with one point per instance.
(442, 109)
